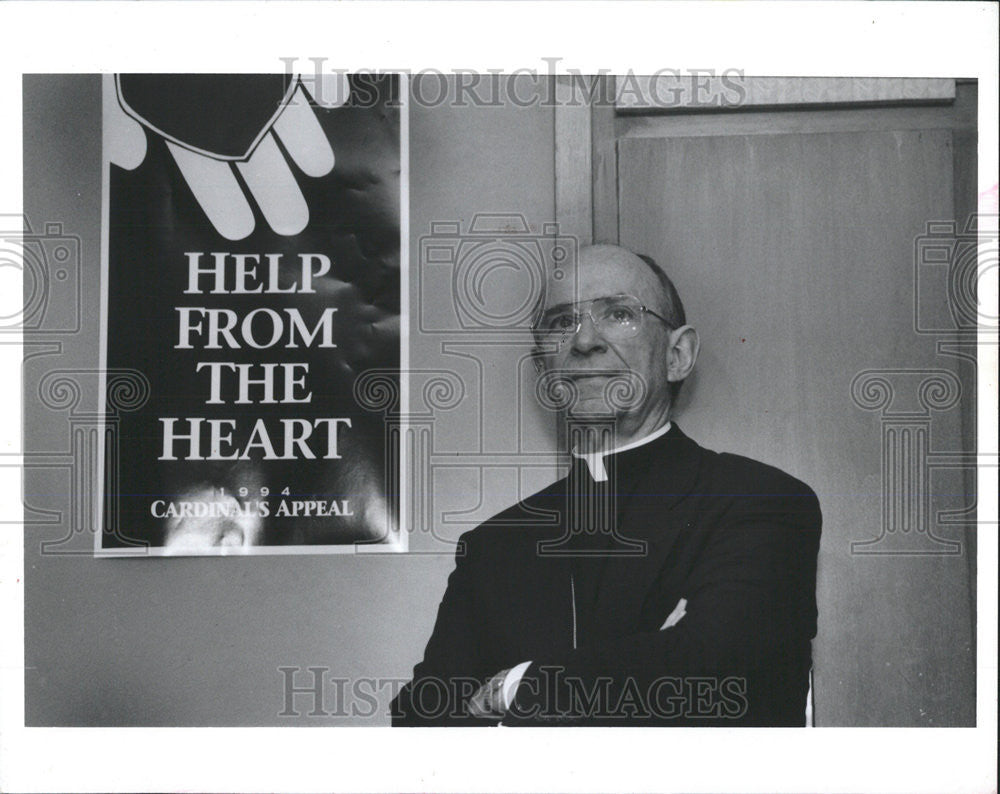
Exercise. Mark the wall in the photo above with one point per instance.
(198, 641)
(192, 641)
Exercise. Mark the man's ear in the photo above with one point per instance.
(682, 352)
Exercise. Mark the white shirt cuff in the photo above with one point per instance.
(511, 682)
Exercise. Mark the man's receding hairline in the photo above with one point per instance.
(670, 300)
(671, 303)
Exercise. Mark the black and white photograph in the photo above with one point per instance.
(360, 393)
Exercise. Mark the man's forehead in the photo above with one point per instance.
(599, 271)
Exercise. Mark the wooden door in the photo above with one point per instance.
(795, 237)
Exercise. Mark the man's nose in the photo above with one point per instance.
(587, 338)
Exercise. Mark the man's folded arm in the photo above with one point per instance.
(750, 615)
(452, 666)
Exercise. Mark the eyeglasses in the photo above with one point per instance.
(615, 317)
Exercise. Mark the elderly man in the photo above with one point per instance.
(660, 583)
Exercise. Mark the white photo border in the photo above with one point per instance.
(775, 39)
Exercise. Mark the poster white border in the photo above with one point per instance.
(396, 540)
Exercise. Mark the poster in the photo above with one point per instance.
(251, 262)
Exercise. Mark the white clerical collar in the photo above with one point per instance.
(595, 460)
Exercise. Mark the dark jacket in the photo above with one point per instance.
(734, 537)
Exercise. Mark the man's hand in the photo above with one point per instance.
(488, 702)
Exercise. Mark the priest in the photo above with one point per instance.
(659, 583)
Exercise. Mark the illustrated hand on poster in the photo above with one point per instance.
(228, 140)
